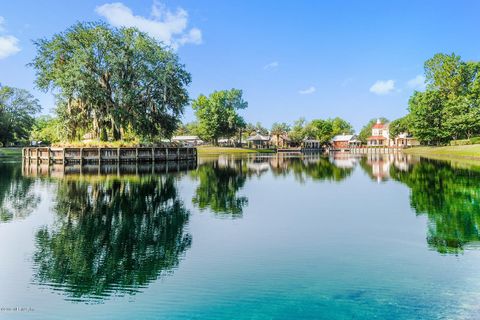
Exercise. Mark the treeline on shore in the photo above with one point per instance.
(118, 85)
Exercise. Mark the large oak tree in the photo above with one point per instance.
(109, 81)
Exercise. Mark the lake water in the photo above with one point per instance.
(254, 237)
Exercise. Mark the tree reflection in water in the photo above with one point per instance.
(450, 197)
(315, 166)
(17, 195)
(111, 235)
(221, 179)
(219, 182)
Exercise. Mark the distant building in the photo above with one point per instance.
(281, 141)
(188, 140)
(344, 141)
(406, 140)
(380, 135)
(311, 144)
(259, 141)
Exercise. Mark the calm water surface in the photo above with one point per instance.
(257, 237)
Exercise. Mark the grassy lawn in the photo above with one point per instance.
(10, 153)
(207, 150)
(468, 151)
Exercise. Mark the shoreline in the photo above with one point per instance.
(210, 150)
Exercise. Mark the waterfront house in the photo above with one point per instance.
(259, 141)
(188, 140)
(405, 139)
(311, 144)
(380, 135)
(281, 141)
(344, 141)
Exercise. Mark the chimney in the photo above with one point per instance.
(378, 121)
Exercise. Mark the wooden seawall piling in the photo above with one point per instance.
(107, 155)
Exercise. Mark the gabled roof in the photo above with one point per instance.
(343, 137)
(258, 137)
(185, 138)
(379, 126)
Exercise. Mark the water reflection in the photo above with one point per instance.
(450, 197)
(17, 195)
(219, 181)
(447, 194)
(377, 166)
(118, 228)
(112, 235)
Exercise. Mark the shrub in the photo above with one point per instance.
(475, 140)
(462, 142)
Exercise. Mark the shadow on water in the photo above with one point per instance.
(112, 235)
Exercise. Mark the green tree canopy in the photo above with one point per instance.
(325, 130)
(17, 110)
(450, 106)
(251, 128)
(297, 133)
(426, 114)
(279, 128)
(112, 80)
(319, 129)
(399, 126)
(47, 129)
(340, 126)
(217, 114)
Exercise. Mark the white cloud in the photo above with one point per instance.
(382, 87)
(8, 43)
(8, 46)
(271, 65)
(164, 25)
(308, 90)
(417, 83)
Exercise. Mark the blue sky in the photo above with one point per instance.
(317, 59)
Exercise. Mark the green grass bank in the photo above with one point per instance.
(466, 151)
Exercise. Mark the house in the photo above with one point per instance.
(404, 140)
(281, 141)
(258, 141)
(344, 141)
(311, 144)
(380, 135)
(188, 140)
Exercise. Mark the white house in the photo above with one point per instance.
(380, 135)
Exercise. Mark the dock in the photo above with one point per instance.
(107, 155)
